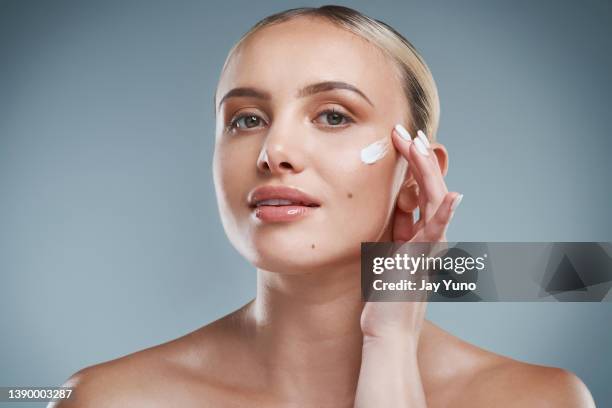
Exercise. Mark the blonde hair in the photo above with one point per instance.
(417, 82)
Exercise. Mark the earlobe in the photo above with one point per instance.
(408, 198)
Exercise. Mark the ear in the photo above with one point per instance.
(408, 197)
(441, 155)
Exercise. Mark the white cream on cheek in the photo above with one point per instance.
(375, 151)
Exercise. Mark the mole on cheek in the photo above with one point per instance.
(350, 195)
(312, 246)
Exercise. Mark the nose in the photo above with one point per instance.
(281, 152)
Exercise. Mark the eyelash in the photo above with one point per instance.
(348, 119)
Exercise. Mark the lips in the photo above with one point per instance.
(273, 204)
(280, 196)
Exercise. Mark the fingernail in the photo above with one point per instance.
(456, 202)
(401, 130)
(423, 137)
(421, 147)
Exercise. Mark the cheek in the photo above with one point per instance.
(364, 195)
(224, 182)
(232, 183)
(231, 178)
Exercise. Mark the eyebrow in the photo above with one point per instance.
(304, 92)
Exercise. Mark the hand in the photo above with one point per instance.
(434, 200)
(389, 374)
(436, 209)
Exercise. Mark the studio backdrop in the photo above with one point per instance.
(110, 237)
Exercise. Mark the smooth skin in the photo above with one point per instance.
(307, 339)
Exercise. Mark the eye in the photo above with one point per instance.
(335, 118)
(245, 121)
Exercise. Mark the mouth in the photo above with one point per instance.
(279, 195)
(278, 203)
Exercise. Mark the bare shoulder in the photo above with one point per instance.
(138, 379)
(481, 378)
(169, 374)
(520, 384)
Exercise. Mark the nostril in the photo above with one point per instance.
(285, 165)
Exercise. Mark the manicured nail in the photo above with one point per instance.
(456, 202)
(403, 132)
(421, 147)
(421, 134)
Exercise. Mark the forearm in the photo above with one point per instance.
(389, 375)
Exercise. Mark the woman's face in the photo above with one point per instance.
(283, 137)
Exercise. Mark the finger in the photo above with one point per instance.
(404, 144)
(435, 228)
(431, 182)
(423, 164)
(406, 147)
(402, 141)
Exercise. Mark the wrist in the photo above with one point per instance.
(392, 341)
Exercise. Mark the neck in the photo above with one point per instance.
(308, 334)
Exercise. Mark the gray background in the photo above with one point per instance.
(110, 240)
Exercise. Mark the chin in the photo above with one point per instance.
(307, 245)
(287, 253)
(295, 255)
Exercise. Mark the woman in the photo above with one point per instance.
(314, 155)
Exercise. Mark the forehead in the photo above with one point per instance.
(284, 57)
